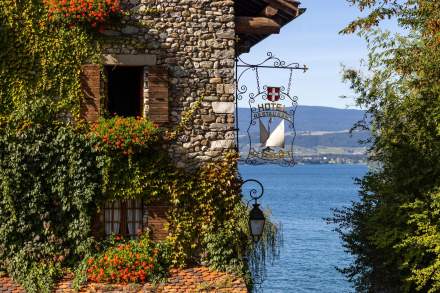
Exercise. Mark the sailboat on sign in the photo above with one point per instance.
(274, 139)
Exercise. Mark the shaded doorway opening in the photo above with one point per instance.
(125, 90)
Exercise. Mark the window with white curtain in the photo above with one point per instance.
(124, 217)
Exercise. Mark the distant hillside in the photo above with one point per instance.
(331, 140)
(315, 118)
(319, 129)
(337, 139)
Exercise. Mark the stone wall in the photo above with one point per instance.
(195, 40)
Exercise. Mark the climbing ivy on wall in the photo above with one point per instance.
(40, 63)
(55, 172)
(49, 179)
(49, 186)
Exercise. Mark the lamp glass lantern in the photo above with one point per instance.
(256, 222)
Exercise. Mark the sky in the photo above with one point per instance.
(313, 39)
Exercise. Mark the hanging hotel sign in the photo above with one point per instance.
(271, 129)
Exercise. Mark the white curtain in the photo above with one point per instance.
(112, 217)
(139, 216)
(134, 217)
(116, 216)
(107, 218)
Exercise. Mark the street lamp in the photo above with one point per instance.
(256, 215)
(256, 222)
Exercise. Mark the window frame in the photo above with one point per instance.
(123, 221)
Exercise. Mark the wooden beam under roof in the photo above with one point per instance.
(289, 7)
(256, 25)
(279, 11)
(269, 11)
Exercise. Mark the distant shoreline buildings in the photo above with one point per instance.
(327, 159)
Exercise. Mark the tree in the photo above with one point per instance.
(392, 232)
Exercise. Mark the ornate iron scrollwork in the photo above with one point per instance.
(255, 193)
(268, 105)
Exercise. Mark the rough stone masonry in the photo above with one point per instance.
(194, 40)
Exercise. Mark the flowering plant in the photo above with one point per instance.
(89, 11)
(133, 261)
(128, 135)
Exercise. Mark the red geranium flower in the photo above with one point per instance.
(86, 11)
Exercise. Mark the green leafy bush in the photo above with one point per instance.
(202, 205)
(424, 216)
(392, 231)
(132, 161)
(49, 184)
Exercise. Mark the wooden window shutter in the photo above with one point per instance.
(91, 86)
(158, 108)
(157, 220)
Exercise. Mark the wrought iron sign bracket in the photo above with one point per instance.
(268, 105)
(292, 66)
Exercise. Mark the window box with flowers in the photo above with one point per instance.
(93, 12)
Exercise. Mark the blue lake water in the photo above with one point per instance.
(299, 198)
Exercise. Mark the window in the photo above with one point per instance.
(125, 90)
(124, 217)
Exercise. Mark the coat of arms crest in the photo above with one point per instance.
(273, 93)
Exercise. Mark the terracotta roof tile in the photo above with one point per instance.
(192, 280)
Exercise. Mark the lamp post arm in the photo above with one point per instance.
(257, 192)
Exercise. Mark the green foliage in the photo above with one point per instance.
(49, 182)
(140, 175)
(40, 63)
(50, 175)
(62, 174)
(130, 157)
(424, 216)
(391, 231)
(266, 249)
(185, 120)
(209, 222)
(204, 216)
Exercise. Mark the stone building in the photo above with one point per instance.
(168, 54)
(162, 57)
